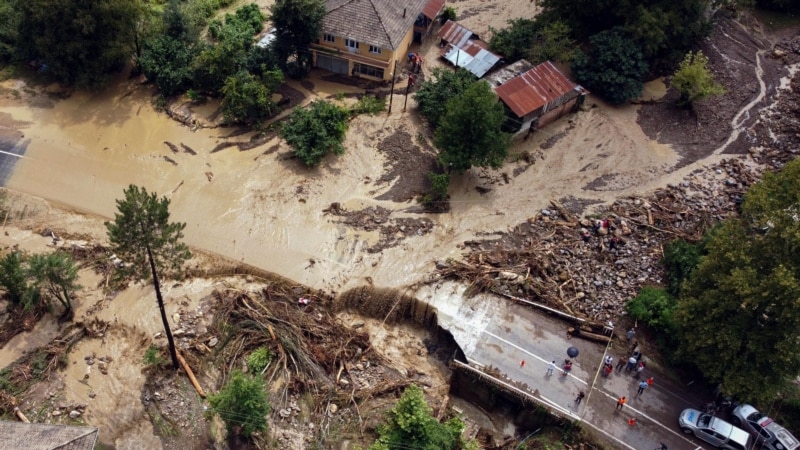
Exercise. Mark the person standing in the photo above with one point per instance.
(639, 370)
(620, 403)
(620, 364)
(609, 360)
(642, 386)
(550, 368)
(650, 381)
(522, 363)
(631, 364)
(630, 334)
(579, 398)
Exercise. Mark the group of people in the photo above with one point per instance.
(604, 227)
(416, 62)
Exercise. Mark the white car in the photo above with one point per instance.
(766, 432)
(713, 430)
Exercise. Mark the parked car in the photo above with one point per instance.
(768, 434)
(713, 430)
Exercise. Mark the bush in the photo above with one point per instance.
(436, 198)
(369, 104)
(656, 308)
(315, 131)
(13, 277)
(241, 404)
(449, 13)
(258, 360)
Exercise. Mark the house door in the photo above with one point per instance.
(335, 65)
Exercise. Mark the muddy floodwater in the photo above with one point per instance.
(263, 208)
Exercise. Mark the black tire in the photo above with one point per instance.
(687, 430)
(736, 421)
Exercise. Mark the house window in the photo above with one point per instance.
(373, 49)
(329, 37)
(351, 44)
(368, 70)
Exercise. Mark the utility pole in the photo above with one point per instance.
(408, 86)
(391, 93)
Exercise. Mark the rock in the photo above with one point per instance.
(55, 413)
(213, 342)
(332, 408)
(159, 335)
(74, 414)
(359, 366)
(92, 394)
(509, 276)
(344, 382)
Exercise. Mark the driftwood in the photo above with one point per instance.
(21, 416)
(191, 376)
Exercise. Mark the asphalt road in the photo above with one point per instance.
(496, 332)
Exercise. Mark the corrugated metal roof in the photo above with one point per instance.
(535, 88)
(433, 8)
(466, 49)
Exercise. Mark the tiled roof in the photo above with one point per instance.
(373, 22)
(535, 88)
(433, 8)
(40, 436)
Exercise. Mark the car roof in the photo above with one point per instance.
(744, 410)
(737, 434)
(784, 436)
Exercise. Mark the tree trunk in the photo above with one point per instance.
(172, 353)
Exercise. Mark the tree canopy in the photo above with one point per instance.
(297, 24)
(410, 424)
(694, 80)
(55, 275)
(662, 29)
(613, 68)
(536, 40)
(433, 94)
(316, 130)
(738, 311)
(81, 42)
(470, 132)
(247, 98)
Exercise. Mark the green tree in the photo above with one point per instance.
(737, 314)
(515, 41)
(655, 307)
(316, 130)
(167, 57)
(229, 54)
(13, 278)
(613, 68)
(663, 30)
(553, 43)
(10, 18)
(297, 24)
(433, 94)
(82, 42)
(241, 404)
(436, 197)
(694, 80)
(411, 424)
(680, 259)
(148, 243)
(248, 99)
(470, 132)
(56, 276)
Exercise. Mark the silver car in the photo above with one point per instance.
(768, 434)
(713, 430)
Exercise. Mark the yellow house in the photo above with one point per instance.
(366, 37)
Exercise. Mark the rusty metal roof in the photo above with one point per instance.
(535, 88)
(466, 49)
(433, 8)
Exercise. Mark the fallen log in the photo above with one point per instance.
(587, 335)
(191, 376)
(20, 415)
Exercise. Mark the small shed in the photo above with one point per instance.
(426, 19)
(42, 436)
(538, 96)
(463, 48)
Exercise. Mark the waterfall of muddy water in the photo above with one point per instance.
(264, 209)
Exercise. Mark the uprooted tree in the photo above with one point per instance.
(148, 243)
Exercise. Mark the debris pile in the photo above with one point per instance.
(376, 218)
(591, 266)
